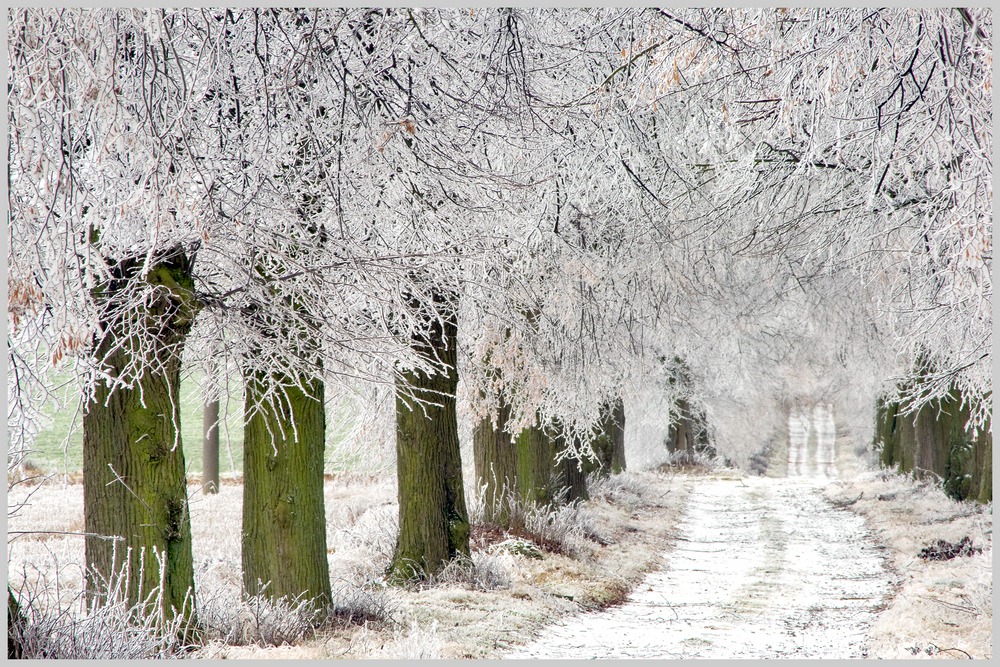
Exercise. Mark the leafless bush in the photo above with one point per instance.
(353, 604)
(257, 620)
(108, 629)
(694, 459)
(483, 571)
(622, 489)
(367, 545)
(261, 621)
(415, 644)
(557, 527)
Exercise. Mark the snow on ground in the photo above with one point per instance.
(782, 567)
(765, 568)
(617, 538)
(940, 608)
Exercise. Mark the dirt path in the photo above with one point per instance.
(765, 569)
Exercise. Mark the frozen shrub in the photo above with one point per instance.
(417, 644)
(621, 489)
(110, 630)
(483, 571)
(263, 622)
(944, 550)
(556, 527)
(518, 547)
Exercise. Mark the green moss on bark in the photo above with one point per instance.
(934, 440)
(433, 520)
(284, 550)
(495, 458)
(135, 492)
(534, 451)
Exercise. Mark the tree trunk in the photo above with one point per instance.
(886, 439)
(534, 453)
(135, 492)
(433, 520)
(935, 441)
(570, 475)
(617, 423)
(681, 438)
(496, 467)
(984, 468)
(210, 447)
(284, 520)
(15, 623)
(609, 443)
(932, 426)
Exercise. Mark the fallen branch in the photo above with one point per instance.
(940, 650)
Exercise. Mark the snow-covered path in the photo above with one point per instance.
(763, 568)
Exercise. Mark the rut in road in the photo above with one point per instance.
(762, 568)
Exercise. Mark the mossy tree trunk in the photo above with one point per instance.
(135, 492)
(932, 427)
(934, 441)
(617, 428)
(681, 434)
(885, 433)
(534, 452)
(983, 478)
(15, 622)
(495, 458)
(609, 442)
(284, 518)
(569, 471)
(433, 520)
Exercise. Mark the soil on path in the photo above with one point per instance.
(763, 568)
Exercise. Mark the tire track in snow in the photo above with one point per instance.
(766, 568)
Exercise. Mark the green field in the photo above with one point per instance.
(58, 447)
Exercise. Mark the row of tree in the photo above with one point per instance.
(522, 214)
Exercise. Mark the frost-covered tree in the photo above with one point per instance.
(868, 131)
(106, 213)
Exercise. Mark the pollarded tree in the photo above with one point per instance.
(117, 186)
(105, 228)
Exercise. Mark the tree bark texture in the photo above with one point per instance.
(983, 476)
(609, 442)
(284, 519)
(135, 492)
(15, 621)
(934, 441)
(210, 447)
(495, 458)
(534, 453)
(617, 428)
(433, 520)
(570, 474)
